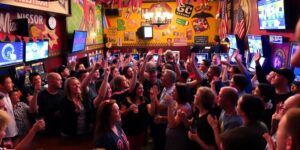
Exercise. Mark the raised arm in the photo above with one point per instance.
(142, 70)
(86, 81)
(103, 88)
(33, 107)
(240, 65)
(195, 70)
(134, 79)
(25, 143)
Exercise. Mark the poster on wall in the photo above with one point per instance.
(200, 22)
(184, 10)
(59, 6)
(279, 59)
(86, 16)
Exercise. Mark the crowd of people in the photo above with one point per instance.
(179, 105)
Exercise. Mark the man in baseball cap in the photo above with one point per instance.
(281, 82)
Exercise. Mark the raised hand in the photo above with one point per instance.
(213, 122)
(39, 125)
(193, 57)
(257, 57)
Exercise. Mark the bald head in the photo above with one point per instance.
(229, 94)
(292, 102)
(54, 80)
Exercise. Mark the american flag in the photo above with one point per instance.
(223, 28)
(240, 27)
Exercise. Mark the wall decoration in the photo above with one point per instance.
(201, 40)
(182, 21)
(202, 8)
(131, 23)
(200, 24)
(37, 28)
(126, 36)
(184, 10)
(180, 42)
(120, 25)
(154, 1)
(131, 36)
(189, 33)
(169, 41)
(60, 7)
(84, 18)
(279, 59)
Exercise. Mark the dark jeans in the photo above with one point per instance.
(159, 135)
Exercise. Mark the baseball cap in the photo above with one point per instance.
(285, 72)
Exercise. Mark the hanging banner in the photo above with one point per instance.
(60, 6)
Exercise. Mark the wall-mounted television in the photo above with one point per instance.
(293, 48)
(36, 50)
(145, 32)
(252, 63)
(200, 57)
(11, 53)
(271, 14)
(79, 41)
(232, 40)
(255, 44)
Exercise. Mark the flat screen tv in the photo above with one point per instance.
(230, 53)
(11, 53)
(271, 14)
(79, 41)
(255, 44)
(232, 40)
(155, 58)
(145, 32)
(200, 57)
(293, 48)
(36, 50)
(252, 63)
(223, 56)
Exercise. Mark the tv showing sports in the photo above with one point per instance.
(271, 14)
(36, 50)
(255, 44)
(230, 53)
(200, 57)
(232, 40)
(11, 53)
(252, 63)
(79, 41)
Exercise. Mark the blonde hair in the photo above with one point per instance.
(4, 120)
(67, 90)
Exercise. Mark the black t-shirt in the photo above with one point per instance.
(204, 131)
(111, 141)
(49, 106)
(148, 84)
(120, 96)
(135, 123)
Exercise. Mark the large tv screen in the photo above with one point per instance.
(36, 50)
(232, 40)
(79, 41)
(200, 57)
(255, 44)
(293, 48)
(271, 14)
(11, 53)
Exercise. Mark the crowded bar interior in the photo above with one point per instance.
(150, 74)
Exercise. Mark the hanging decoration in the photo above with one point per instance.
(130, 5)
(11, 37)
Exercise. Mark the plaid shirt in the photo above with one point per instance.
(22, 118)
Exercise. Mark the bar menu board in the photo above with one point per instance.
(201, 40)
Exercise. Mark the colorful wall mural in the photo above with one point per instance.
(187, 22)
(86, 16)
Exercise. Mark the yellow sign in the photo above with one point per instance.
(60, 6)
